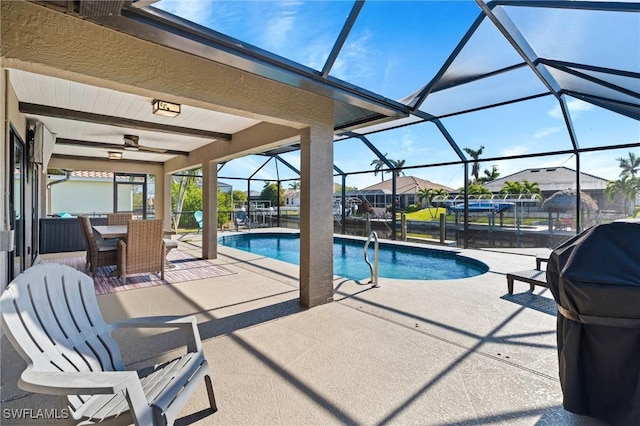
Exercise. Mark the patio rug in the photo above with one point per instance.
(187, 268)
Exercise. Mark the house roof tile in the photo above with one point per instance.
(406, 185)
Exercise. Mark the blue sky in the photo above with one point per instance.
(397, 47)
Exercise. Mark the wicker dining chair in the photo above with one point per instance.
(119, 218)
(85, 238)
(144, 249)
(99, 252)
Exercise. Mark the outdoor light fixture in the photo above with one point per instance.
(115, 155)
(165, 108)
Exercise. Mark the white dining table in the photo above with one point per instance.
(120, 231)
(117, 231)
(110, 231)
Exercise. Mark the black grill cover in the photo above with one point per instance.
(595, 280)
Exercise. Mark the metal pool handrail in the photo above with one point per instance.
(373, 268)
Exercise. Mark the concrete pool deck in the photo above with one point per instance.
(409, 352)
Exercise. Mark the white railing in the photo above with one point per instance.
(373, 268)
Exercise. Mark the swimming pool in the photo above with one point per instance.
(395, 261)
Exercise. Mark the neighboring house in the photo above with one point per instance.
(380, 195)
(85, 192)
(292, 198)
(91, 193)
(256, 201)
(254, 195)
(225, 187)
(553, 179)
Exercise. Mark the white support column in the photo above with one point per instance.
(316, 218)
(162, 201)
(210, 210)
(44, 195)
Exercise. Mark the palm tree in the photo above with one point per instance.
(490, 175)
(519, 188)
(379, 164)
(530, 188)
(475, 154)
(630, 166)
(627, 187)
(429, 194)
(426, 194)
(475, 189)
(511, 188)
(295, 185)
(187, 181)
(397, 167)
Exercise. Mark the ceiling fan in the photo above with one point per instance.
(131, 144)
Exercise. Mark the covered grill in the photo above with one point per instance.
(595, 280)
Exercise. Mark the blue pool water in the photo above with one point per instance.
(411, 263)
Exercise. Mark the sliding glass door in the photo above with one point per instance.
(16, 204)
(130, 194)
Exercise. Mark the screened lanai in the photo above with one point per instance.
(514, 63)
(512, 77)
(413, 89)
(502, 102)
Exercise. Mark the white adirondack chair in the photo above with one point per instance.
(51, 316)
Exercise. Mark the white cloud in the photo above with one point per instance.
(407, 142)
(316, 53)
(278, 30)
(514, 150)
(194, 11)
(602, 164)
(576, 107)
(542, 133)
(279, 27)
(355, 62)
(556, 112)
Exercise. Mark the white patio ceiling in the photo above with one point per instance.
(89, 138)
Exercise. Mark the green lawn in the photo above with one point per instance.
(427, 214)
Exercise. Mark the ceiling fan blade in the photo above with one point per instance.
(151, 149)
(88, 144)
(118, 147)
(132, 142)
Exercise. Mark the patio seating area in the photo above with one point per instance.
(154, 108)
(408, 352)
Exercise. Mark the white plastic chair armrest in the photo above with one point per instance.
(188, 324)
(79, 383)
